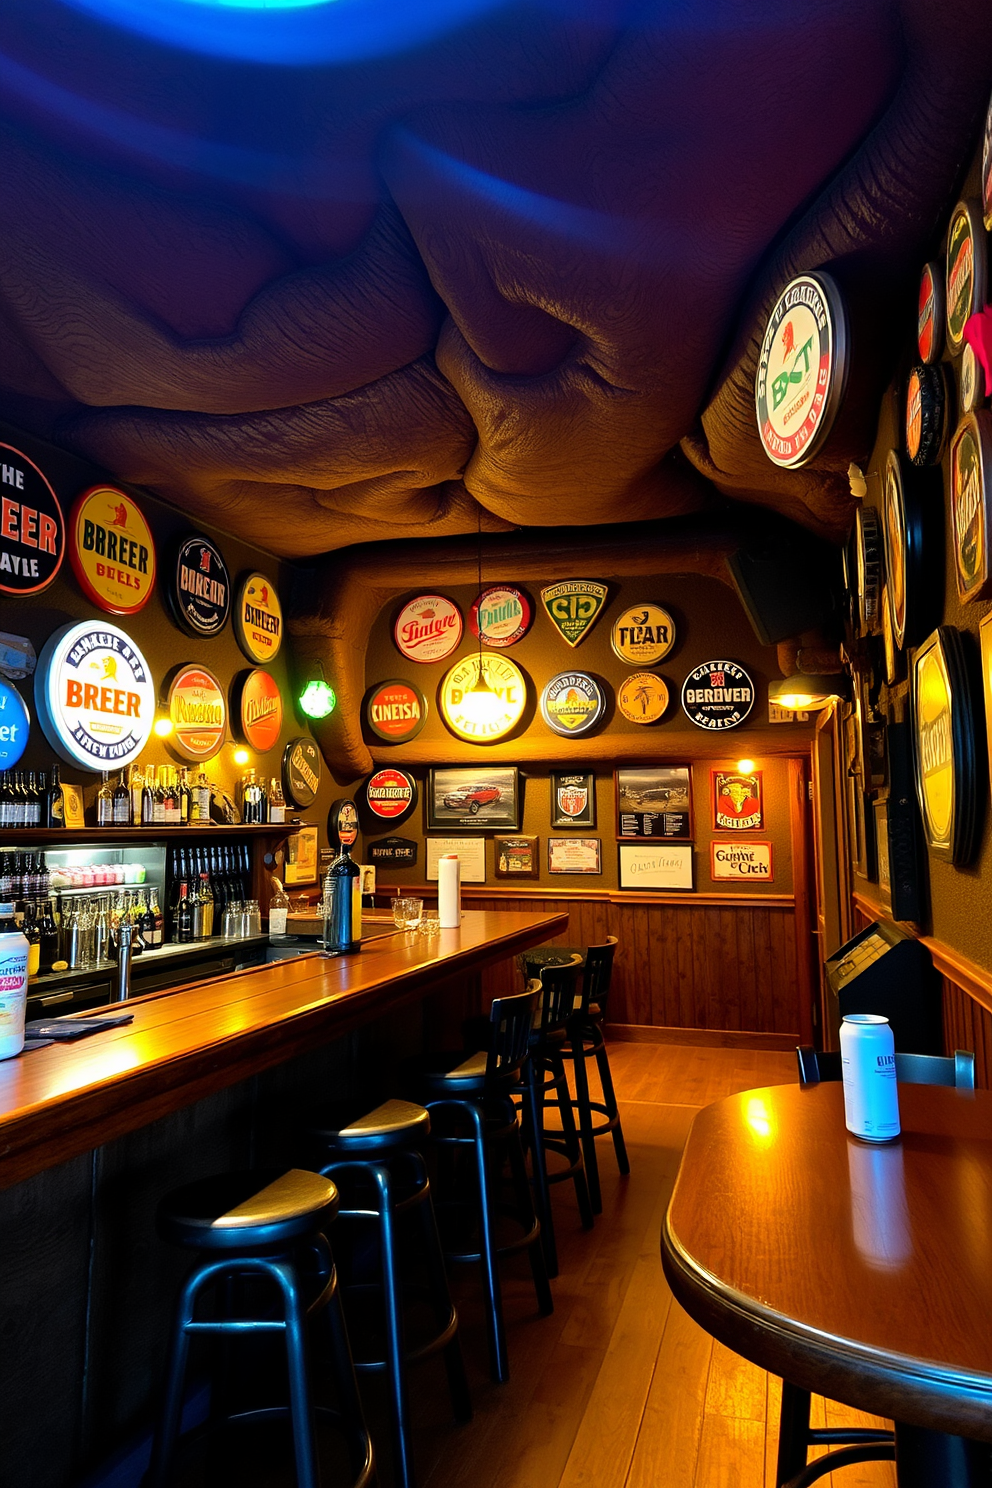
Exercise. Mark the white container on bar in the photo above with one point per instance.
(13, 984)
(449, 891)
(871, 1091)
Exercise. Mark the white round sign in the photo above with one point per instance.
(95, 696)
(428, 628)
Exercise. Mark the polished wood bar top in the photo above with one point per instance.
(189, 1042)
(861, 1272)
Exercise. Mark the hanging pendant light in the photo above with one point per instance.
(480, 704)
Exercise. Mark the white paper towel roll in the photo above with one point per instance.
(449, 891)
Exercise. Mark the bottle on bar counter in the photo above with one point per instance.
(54, 804)
(185, 797)
(147, 812)
(343, 904)
(105, 803)
(32, 812)
(122, 803)
(278, 909)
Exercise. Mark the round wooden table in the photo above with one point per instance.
(859, 1272)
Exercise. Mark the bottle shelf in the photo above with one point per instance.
(32, 837)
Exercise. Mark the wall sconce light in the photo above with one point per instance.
(804, 693)
(745, 767)
(318, 699)
(163, 726)
(241, 756)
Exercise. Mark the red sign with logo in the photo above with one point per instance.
(261, 711)
(395, 711)
(390, 794)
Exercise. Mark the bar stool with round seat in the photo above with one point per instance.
(375, 1159)
(264, 1226)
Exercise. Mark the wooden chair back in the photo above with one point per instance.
(597, 976)
(955, 1070)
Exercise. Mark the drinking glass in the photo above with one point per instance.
(430, 925)
(407, 913)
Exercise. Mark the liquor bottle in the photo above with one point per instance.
(159, 807)
(42, 798)
(6, 800)
(121, 803)
(170, 797)
(49, 929)
(158, 919)
(32, 935)
(182, 932)
(146, 922)
(277, 803)
(105, 803)
(6, 878)
(101, 931)
(147, 815)
(22, 874)
(343, 904)
(278, 910)
(19, 808)
(55, 806)
(207, 901)
(32, 807)
(180, 878)
(185, 797)
(263, 801)
(199, 808)
(135, 785)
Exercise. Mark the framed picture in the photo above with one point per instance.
(575, 855)
(738, 802)
(516, 857)
(573, 798)
(301, 856)
(471, 852)
(72, 805)
(484, 798)
(654, 801)
(655, 865)
(740, 861)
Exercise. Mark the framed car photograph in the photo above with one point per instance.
(573, 798)
(516, 857)
(482, 798)
(654, 801)
(655, 865)
(575, 855)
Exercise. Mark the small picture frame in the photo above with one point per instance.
(573, 798)
(654, 801)
(301, 856)
(477, 798)
(575, 855)
(72, 805)
(741, 860)
(738, 801)
(516, 857)
(656, 865)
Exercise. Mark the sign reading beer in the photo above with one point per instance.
(301, 772)
(501, 616)
(32, 528)
(200, 592)
(802, 369)
(573, 800)
(15, 725)
(399, 851)
(718, 695)
(259, 710)
(573, 606)
(926, 414)
(930, 314)
(342, 823)
(428, 628)
(572, 703)
(737, 801)
(95, 696)
(389, 795)
(258, 618)
(966, 272)
(971, 465)
(741, 860)
(642, 698)
(945, 758)
(198, 710)
(112, 550)
(395, 711)
(644, 634)
(509, 697)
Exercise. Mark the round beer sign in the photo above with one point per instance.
(503, 705)
(572, 703)
(342, 823)
(260, 710)
(32, 527)
(930, 314)
(390, 795)
(642, 698)
(258, 618)
(971, 463)
(200, 588)
(428, 628)
(198, 710)
(894, 533)
(301, 772)
(966, 271)
(395, 711)
(95, 696)
(972, 381)
(112, 550)
(501, 616)
(718, 695)
(644, 633)
(15, 725)
(802, 369)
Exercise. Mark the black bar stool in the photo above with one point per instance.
(374, 1158)
(262, 1225)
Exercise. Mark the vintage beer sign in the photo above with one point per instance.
(870, 556)
(971, 464)
(967, 270)
(200, 588)
(897, 560)
(258, 618)
(198, 711)
(737, 801)
(572, 703)
(718, 695)
(573, 799)
(260, 710)
(987, 170)
(930, 314)
(501, 616)
(301, 771)
(802, 369)
(428, 628)
(971, 383)
(395, 711)
(399, 852)
(342, 823)
(642, 698)
(508, 686)
(643, 634)
(32, 527)
(95, 696)
(945, 756)
(390, 795)
(926, 414)
(573, 607)
(15, 725)
(112, 550)
(747, 861)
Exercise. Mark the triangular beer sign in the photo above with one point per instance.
(574, 606)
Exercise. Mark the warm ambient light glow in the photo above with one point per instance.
(480, 704)
(318, 699)
(803, 692)
(163, 727)
(241, 756)
(745, 767)
(759, 1120)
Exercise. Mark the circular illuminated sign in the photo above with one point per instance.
(943, 725)
(200, 588)
(718, 695)
(930, 314)
(926, 414)
(972, 383)
(258, 618)
(644, 633)
(95, 696)
(395, 711)
(572, 703)
(966, 270)
(112, 550)
(15, 725)
(502, 707)
(260, 710)
(32, 527)
(390, 795)
(971, 467)
(342, 823)
(198, 711)
(501, 616)
(428, 628)
(301, 772)
(642, 698)
(802, 369)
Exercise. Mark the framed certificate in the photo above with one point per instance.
(656, 865)
(575, 855)
(471, 852)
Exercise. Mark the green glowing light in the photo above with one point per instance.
(318, 699)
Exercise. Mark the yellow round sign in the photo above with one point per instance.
(483, 716)
(112, 550)
(934, 743)
(258, 618)
(644, 633)
(642, 698)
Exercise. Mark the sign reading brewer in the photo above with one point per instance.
(95, 696)
(112, 550)
(258, 618)
(200, 594)
(802, 369)
(32, 528)
(718, 695)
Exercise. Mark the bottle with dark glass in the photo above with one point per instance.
(23, 866)
(32, 934)
(148, 797)
(343, 904)
(6, 800)
(182, 932)
(49, 931)
(32, 808)
(19, 801)
(159, 808)
(54, 805)
(207, 900)
(158, 919)
(105, 802)
(185, 797)
(122, 803)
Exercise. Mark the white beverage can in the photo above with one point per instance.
(871, 1092)
(13, 987)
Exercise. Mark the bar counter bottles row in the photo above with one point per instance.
(163, 795)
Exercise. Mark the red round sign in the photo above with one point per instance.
(395, 711)
(260, 711)
(390, 794)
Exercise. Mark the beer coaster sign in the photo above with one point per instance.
(342, 823)
(112, 550)
(573, 799)
(509, 697)
(200, 588)
(259, 710)
(642, 698)
(967, 270)
(944, 736)
(802, 369)
(258, 618)
(198, 711)
(301, 772)
(971, 466)
(389, 796)
(428, 628)
(930, 314)
(397, 852)
(717, 696)
(573, 606)
(501, 616)
(644, 634)
(738, 804)
(395, 711)
(572, 703)
(15, 725)
(926, 414)
(32, 527)
(95, 696)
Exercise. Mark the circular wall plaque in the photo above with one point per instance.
(112, 550)
(644, 633)
(987, 170)
(501, 616)
(198, 710)
(428, 628)
(902, 530)
(972, 381)
(95, 696)
(966, 271)
(389, 795)
(301, 772)
(395, 711)
(15, 725)
(871, 552)
(508, 684)
(572, 703)
(718, 695)
(930, 314)
(802, 369)
(32, 527)
(200, 587)
(926, 414)
(342, 823)
(945, 758)
(259, 709)
(258, 618)
(971, 465)
(642, 698)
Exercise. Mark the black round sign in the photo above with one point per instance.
(32, 527)
(718, 695)
(301, 772)
(200, 588)
(342, 823)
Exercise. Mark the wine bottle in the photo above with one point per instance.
(183, 928)
(121, 803)
(147, 816)
(185, 797)
(343, 904)
(49, 929)
(32, 810)
(105, 803)
(55, 805)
